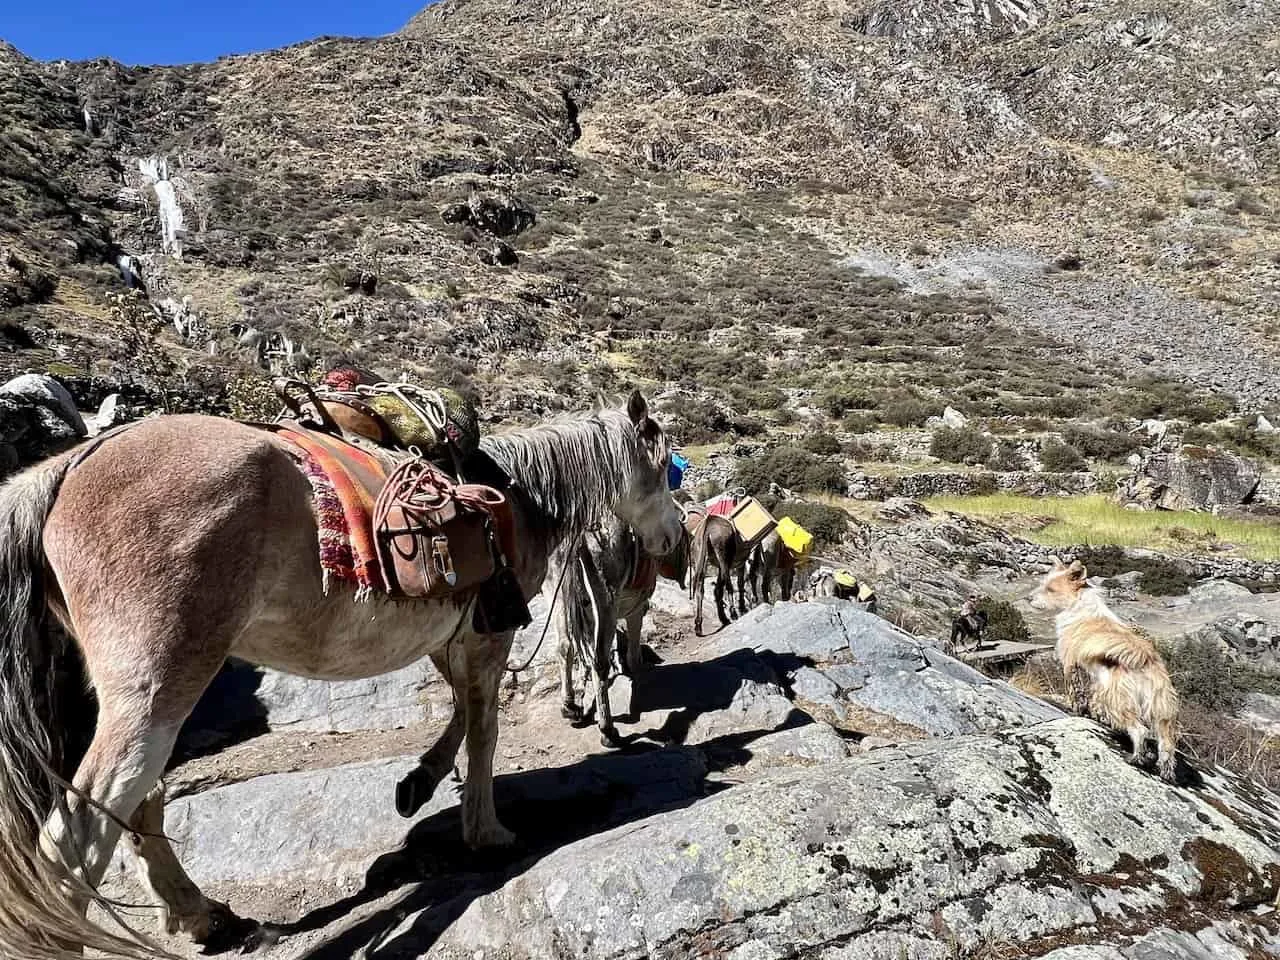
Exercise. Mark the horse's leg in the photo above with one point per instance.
(722, 584)
(569, 708)
(186, 909)
(419, 785)
(486, 660)
(635, 625)
(604, 663)
(742, 591)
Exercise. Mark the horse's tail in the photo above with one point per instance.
(40, 918)
(698, 561)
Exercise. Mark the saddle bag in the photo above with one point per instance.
(437, 539)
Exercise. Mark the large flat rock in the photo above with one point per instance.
(1022, 838)
(838, 658)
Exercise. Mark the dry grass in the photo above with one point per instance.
(1099, 521)
(1206, 737)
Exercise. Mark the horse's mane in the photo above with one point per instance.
(571, 470)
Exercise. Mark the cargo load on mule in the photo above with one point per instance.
(747, 514)
(407, 505)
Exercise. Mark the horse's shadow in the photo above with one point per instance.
(548, 809)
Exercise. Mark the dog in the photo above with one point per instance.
(1130, 689)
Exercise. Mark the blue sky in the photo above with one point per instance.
(186, 31)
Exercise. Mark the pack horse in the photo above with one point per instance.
(184, 540)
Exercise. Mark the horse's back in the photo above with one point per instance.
(177, 509)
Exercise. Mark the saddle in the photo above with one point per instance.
(434, 537)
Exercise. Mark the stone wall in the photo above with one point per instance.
(920, 486)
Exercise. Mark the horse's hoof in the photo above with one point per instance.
(571, 711)
(496, 837)
(609, 738)
(227, 931)
(412, 792)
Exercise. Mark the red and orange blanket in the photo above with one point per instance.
(345, 481)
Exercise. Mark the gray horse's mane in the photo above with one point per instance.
(572, 470)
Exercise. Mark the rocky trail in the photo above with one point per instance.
(808, 782)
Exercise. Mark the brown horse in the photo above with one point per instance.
(184, 540)
(715, 540)
(771, 557)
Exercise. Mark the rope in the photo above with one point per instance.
(434, 415)
(551, 609)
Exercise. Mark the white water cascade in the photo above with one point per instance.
(155, 172)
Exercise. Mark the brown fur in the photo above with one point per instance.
(1111, 669)
(716, 540)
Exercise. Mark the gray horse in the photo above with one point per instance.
(609, 581)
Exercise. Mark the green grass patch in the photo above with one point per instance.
(1099, 521)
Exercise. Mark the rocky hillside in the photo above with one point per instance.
(1019, 208)
(810, 782)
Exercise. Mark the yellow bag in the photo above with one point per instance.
(795, 537)
(845, 578)
(751, 520)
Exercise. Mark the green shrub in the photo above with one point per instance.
(1204, 673)
(823, 444)
(827, 523)
(1005, 622)
(908, 412)
(1160, 577)
(839, 400)
(960, 445)
(1006, 457)
(1100, 444)
(1059, 457)
(791, 467)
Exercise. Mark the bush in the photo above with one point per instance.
(791, 467)
(1101, 444)
(908, 412)
(823, 444)
(1060, 457)
(1006, 457)
(828, 524)
(1160, 577)
(839, 400)
(960, 445)
(1004, 621)
(1204, 673)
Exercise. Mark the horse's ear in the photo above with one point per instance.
(637, 407)
(1078, 570)
(1057, 562)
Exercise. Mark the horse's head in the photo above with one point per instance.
(647, 503)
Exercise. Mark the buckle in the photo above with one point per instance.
(443, 560)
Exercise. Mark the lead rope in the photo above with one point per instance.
(573, 556)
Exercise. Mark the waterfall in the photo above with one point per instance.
(129, 271)
(155, 172)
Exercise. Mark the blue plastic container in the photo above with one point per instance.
(675, 473)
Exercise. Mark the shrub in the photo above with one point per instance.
(1004, 621)
(791, 467)
(1006, 457)
(1101, 444)
(960, 445)
(1160, 577)
(1204, 673)
(823, 444)
(827, 523)
(1060, 457)
(909, 412)
(839, 400)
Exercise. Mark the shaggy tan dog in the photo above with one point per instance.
(1131, 689)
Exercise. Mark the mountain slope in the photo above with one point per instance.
(913, 204)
